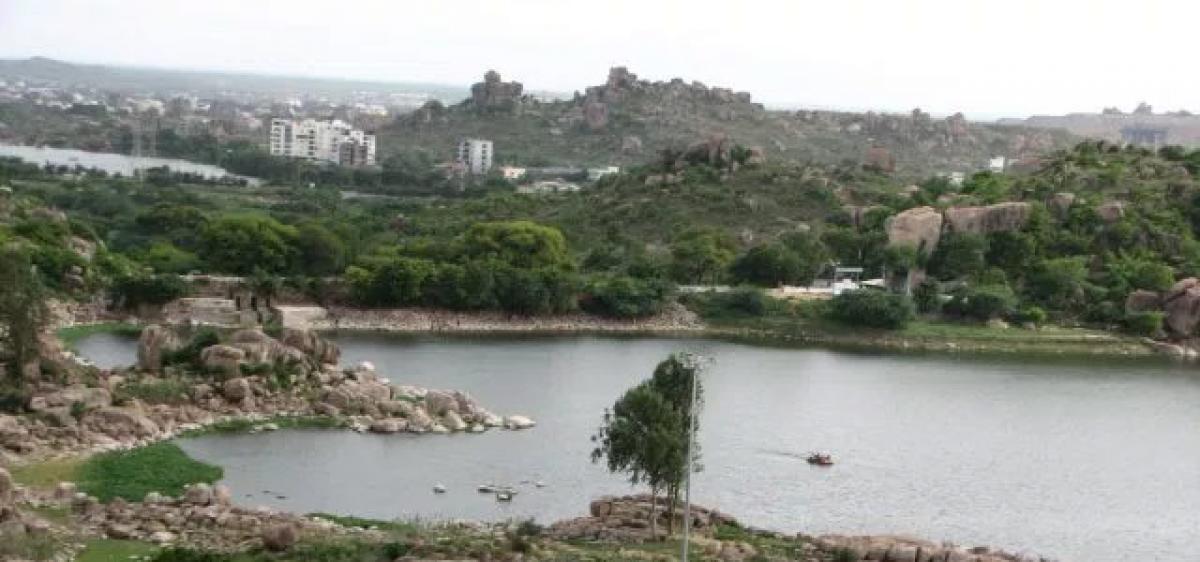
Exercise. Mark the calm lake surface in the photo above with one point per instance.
(113, 163)
(1081, 460)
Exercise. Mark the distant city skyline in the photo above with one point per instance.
(985, 59)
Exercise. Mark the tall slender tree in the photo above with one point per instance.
(23, 312)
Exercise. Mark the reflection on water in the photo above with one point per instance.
(1080, 460)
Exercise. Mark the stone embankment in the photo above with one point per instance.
(675, 319)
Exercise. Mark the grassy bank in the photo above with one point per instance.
(71, 335)
(161, 467)
(804, 322)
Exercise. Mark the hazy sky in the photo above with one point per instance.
(984, 58)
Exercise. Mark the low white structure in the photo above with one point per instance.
(548, 186)
(997, 164)
(512, 172)
(594, 174)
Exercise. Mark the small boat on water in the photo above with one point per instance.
(486, 488)
(820, 459)
(439, 489)
(504, 495)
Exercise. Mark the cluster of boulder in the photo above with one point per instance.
(627, 519)
(1180, 307)
(12, 521)
(80, 417)
(204, 516)
(887, 548)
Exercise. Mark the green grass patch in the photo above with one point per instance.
(47, 474)
(161, 467)
(28, 547)
(73, 334)
(110, 550)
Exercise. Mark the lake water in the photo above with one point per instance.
(1087, 460)
(114, 163)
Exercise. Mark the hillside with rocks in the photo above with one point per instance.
(628, 120)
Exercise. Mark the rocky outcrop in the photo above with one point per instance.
(627, 519)
(279, 537)
(1001, 217)
(121, 424)
(595, 115)
(319, 349)
(494, 94)
(155, 342)
(906, 549)
(223, 358)
(1182, 306)
(920, 228)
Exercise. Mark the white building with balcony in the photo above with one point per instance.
(335, 142)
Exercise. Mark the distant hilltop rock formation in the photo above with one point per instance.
(627, 120)
(494, 94)
(1141, 126)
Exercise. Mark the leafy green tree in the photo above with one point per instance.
(983, 302)
(242, 243)
(768, 265)
(959, 256)
(1059, 284)
(521, 244)
(645, 434)
(927, 297)
(23, 311)
(321, 251)
(701, 256)
(811, 251)
(128, 293)
(165, 257)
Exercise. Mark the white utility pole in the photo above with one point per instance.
(687, 494)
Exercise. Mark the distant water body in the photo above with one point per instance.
(115, 163)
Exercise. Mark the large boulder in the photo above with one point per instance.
(1001, 217)
(322, 351)
(261, 348)
(1182, 306)
(279, 537)
(1143, 301)
(387, 426)
(236, 389)
(123, 424)
(438, 403)
(224, 358)
(155, 342)
(919, 227)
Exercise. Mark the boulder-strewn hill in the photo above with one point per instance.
(627, 120)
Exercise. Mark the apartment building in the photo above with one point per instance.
(475, 155)
(332, 141)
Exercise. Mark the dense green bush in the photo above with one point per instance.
(1149, 324)
(872, 308)
(625, 297)
(153, 391)
(982, 303)
(131, 292)
(927, 296)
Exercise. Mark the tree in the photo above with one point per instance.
(646, 432)
(701, 256)
(621, 296)
(242, 243)
(959, 256)
(521, 244)
(1059, 284)
(321, 251)
(23, 311)
(768, 265)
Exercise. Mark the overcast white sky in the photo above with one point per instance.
(984, 58)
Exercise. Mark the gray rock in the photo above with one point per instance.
(279, 537)
(155, 342)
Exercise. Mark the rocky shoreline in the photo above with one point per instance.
(411, 320)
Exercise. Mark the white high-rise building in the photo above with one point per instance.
(322, 141)
(475, 155)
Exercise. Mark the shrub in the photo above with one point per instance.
(130, 292)
(871, 308)
(1030, 315)
(927, 297)
(164, 391)
(1149, 324)
(625, 297)
(190, 353)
